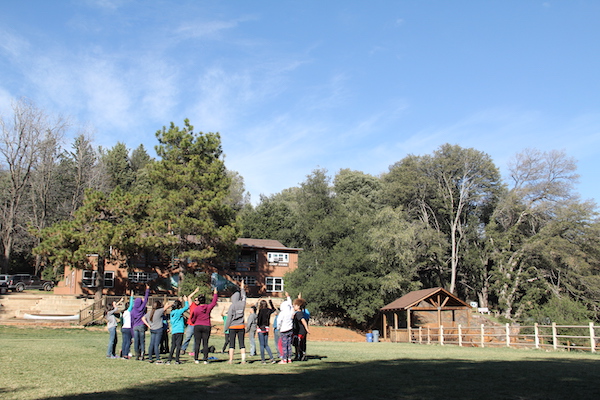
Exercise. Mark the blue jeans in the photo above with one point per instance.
(126, 346)
(189, 332)
(112, 342)
(153, 349)
(252, 336)
(139, 339)
(263, 341)
(286, 341)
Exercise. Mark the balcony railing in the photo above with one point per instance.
(243, 266)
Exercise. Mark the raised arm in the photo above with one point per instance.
(146, 296)
(191, 296)
(242, 291)
(131, 299)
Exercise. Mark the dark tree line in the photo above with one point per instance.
(526, 247)
(60, 204)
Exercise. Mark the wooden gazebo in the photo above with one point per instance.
(427, 307)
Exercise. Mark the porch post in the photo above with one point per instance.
(408, 325)
(384, 325)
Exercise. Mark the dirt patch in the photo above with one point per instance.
(335, 334)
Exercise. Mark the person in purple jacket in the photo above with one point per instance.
(138, 326)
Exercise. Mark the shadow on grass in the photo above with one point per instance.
(395, 379)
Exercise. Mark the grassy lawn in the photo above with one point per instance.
(71, 364)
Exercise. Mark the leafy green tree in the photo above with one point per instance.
(336, 272)
(139, 158)
(118, 167)
(394, 240)
(80, 171)
(275, 217)
(116, 227)
(544, 241)
(190, 191)
(450, 191)
(238, 198)
(191, 281)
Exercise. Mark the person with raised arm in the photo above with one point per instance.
(262, 322)
(154, 321)
(178, 324)
(285, 324)
(126, 331)
(111, 326)
(200, 318)
(235, 323)
(138, 326)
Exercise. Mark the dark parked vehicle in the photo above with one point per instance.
(20, 282)
(3, 284)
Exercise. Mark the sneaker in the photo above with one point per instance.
(273, 361)
(159, 362)
(197, 362)
(177, 362)
(283, 362)
(168, 363)
(205, 362)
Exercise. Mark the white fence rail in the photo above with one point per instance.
(555, 337)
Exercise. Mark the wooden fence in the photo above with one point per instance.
(94, 313)
(554, 337)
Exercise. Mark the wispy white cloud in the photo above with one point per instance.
(110, 5)
(201, 29)
(13, 45)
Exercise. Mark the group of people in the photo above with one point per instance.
(290, 327)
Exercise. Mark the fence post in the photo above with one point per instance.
(428, 336)
(592, 338)
(459, 335)
(554, 338)
(482, 345)
(536, 331)
(507, 335)
(441, 335)
(420, 335)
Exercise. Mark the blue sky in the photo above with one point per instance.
(296, 85)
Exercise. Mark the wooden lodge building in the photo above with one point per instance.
(260, 263)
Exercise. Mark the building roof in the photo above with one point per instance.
(264, 244)
(414, 298)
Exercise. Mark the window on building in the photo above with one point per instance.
(142, 277)
(278, 257)
(109, 279)
(274, 284)
(89, 279)
(248, 280)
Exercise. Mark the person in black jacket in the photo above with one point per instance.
(263, 321)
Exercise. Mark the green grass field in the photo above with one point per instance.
(71, 364)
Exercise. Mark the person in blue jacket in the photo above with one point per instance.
(178, 325)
